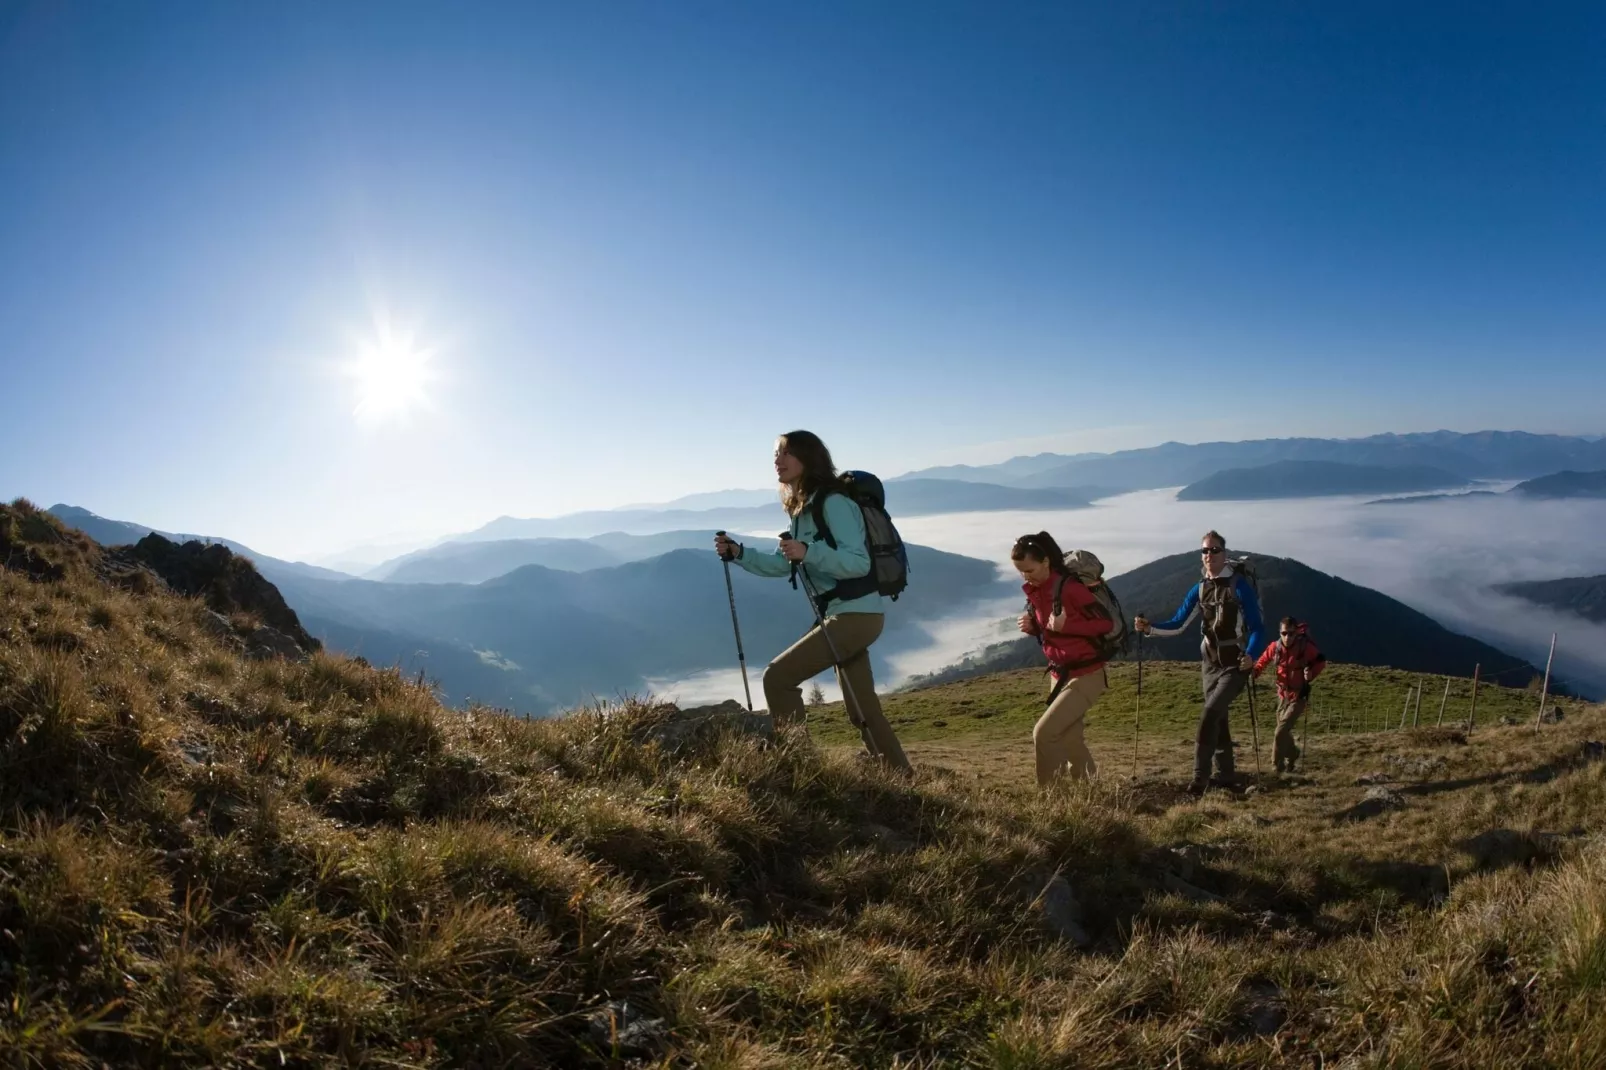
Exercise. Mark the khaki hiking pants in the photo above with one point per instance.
(1284, 752)
(809, 656)
(1057, 736)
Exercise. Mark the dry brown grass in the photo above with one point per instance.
(208, 861)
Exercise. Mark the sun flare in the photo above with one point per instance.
(391, 374)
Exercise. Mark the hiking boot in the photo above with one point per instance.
(1195, 787)
(1228, 779)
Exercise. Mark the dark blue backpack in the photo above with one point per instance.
(889, 561)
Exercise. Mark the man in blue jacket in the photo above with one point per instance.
(1232, 627)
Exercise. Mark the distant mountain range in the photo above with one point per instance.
(910, 497)
(1479, 455)
(1311, 479)
(476, 562)
(1583, 595)
(538, 639)
(1350, 623)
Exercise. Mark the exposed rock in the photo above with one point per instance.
(1377, 800)
(263, 642)
(1265, 1007)
(1593, 750)
(1386, 796)
(1420, 766)
(1057, 905)
(1173, 883)
(621, 1026)
(674, 728)
(889, 840)
(1551, 715)
(1372, 778)
(1184, 859)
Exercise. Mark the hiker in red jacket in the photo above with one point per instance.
(1075, 663)
(1298, 663)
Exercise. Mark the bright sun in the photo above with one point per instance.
(392, 374)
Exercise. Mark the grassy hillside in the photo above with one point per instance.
(1311, 479)
(976, 713)
(210, 861)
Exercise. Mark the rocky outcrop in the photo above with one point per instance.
(675, 729)
(231, 587)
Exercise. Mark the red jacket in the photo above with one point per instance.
(1067, 645)
(1297, 664)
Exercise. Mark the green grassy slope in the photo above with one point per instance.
(1000, 706)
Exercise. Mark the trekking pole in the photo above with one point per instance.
(1137, 712)
(741, 655)
(1254, 725)
(850, 701)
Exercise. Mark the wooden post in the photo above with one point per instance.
(1406, 712)
(1472, 714)
(1544, 691)
(1442, 702)
(1416, 712)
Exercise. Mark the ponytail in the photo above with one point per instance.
(1040, 547)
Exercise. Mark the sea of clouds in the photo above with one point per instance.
(1442, 557)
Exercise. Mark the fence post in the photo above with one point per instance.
(1406, 711)
(1545, 690)
(1472, 714)
(1442, 702)
(1416, 712)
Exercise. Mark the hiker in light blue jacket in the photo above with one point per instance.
(848, 598)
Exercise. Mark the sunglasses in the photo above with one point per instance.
(1208, 550)
(1287, 635)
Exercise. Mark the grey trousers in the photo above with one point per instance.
(1221, 685)
(811, 655)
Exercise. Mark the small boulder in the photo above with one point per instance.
(887, 839)
(1265, 1007)
(623, 1027)
(1372, 778)
(1060, 910)
(1387, 797)
(674, 728)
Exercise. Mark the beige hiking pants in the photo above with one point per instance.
(1057, 737)
(1284, 751)
(809, 656)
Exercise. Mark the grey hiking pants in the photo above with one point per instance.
(809, 656)
(1221, 685)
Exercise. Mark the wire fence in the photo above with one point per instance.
(1455, 705)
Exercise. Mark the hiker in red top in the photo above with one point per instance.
(1074, 661)
(1298, 663)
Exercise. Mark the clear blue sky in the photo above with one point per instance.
(639, 240)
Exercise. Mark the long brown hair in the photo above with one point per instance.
(1039, 547)
(819, 471)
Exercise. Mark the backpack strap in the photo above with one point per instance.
(822, 530)
(1059, 593)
